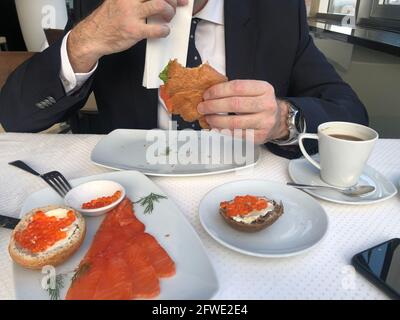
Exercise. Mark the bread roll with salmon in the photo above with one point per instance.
(184, 88)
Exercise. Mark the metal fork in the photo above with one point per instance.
(54, 178)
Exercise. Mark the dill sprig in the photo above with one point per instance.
(80, 271)
(148, 202)
(54, 292)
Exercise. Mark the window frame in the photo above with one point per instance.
(338, 17)
(386, 11)
(330, 8)
(369, 21)
(375, 20)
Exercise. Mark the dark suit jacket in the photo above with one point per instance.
(265, 40)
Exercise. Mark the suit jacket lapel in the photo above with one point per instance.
(240, 39)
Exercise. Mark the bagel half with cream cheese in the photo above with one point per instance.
(25, 236)
(256, 220)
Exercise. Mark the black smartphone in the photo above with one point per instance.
(381, 266)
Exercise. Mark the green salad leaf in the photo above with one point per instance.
(164, 75)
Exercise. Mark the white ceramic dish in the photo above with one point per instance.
(195, 276)
(89, 191)
(301, 171)
(302, 226)
(128, 150)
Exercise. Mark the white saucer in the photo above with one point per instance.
(302, 226)
(301, 171)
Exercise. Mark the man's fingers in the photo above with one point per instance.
(161, 8)
(251, 121)
(232, 105)
(172, 3)
(178, 3)
(154, 31)
(240, 88)
(182, 3)
(258, 136)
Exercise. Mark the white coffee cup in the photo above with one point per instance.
(342, 160)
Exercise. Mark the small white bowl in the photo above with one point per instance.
(89, 191)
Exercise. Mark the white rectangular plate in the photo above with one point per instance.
(195, 277)
(125, 149)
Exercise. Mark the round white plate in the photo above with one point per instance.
(301, 227)
(301, 171)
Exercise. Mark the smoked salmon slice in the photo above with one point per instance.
(115, 283)
(143, 275)
(120, 223)
(123, 262)
(84, 287)
(161, 261)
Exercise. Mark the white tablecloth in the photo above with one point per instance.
(323, 273)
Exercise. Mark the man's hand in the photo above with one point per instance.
(116, 26)
(254, 104)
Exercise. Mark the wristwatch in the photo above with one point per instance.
(296, 124)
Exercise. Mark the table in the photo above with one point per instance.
(323, 273)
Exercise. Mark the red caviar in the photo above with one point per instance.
(43, 231)
(243, 205)
(102, 202)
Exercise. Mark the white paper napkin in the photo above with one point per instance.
(175, 46)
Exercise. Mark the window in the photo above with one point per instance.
(336, 9)
(386, 9)
(380, 14)
(343, 7)
(390, 2)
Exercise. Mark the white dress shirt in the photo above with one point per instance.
(210, 42)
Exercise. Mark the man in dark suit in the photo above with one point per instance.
(292, 86)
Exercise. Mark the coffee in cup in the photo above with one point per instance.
(344, 149)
